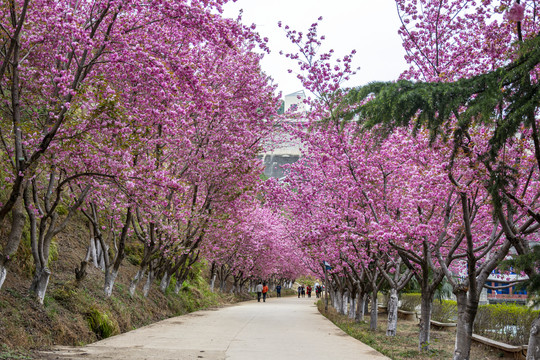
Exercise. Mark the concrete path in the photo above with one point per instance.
(280, 328)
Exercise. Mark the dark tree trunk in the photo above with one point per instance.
(466, 315)
(425, 318)
(80, 273)
(374, 314)
(352, 309)
(359, 306)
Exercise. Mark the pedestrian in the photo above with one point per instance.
(299, 291)
(264, 291)
(303, 291)
(308, 290)
(259, 289)
(278, 290)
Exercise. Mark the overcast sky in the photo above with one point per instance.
(369, 26)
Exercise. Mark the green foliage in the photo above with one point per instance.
(413, 286)
(53, 252)
(444, 311)
(410, 301)
(307, 280)
(6, 353)
(62, 210)
(382, 299)
(508, 323)
(505, 99)
(23, 257)
(433, 105)
(527, 262)
(134, 253)
(443, 291)
(63, 294)
(102, 323)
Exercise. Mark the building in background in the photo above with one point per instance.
(285, 149)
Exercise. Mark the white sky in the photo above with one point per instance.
(369, 26)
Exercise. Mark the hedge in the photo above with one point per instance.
(410, 301)
(444, 311)
(508, 323)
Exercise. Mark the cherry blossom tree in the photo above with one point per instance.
(128, 96)
(471, 44)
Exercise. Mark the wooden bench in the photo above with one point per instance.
(441, 326)
(517, 352)
(407, 315)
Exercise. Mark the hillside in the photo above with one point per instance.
(70, 308)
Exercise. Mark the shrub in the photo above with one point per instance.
(508, 323)
(53, 252)
(382, 299)
(23, 257)
(102, 324)
(63, 294)
(62, 210)
(134, 253)
(444, 311)
(410, 301)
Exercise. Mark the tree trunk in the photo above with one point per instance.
(352, 309)
(212, 283)
(101, 253)
(464, 326)
(3, 274)
(14, 238)
(533, 351)
(359, 307)
(135, 282)
(178, 286)
(339, 302)
(344, 303)
(363, 306)
(392, 307)
(425, 319)
(110, 278)
(374, 313)
(148, 284)
(234, 289)
(93, 251)
(40, 283)
(80, 273)
(165, 281)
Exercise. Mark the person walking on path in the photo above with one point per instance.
(259, 289)
(264, 291)
(278, 290)
(299, 291)
(308, 290)
(303, 291)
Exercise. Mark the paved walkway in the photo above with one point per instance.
(280, 328)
